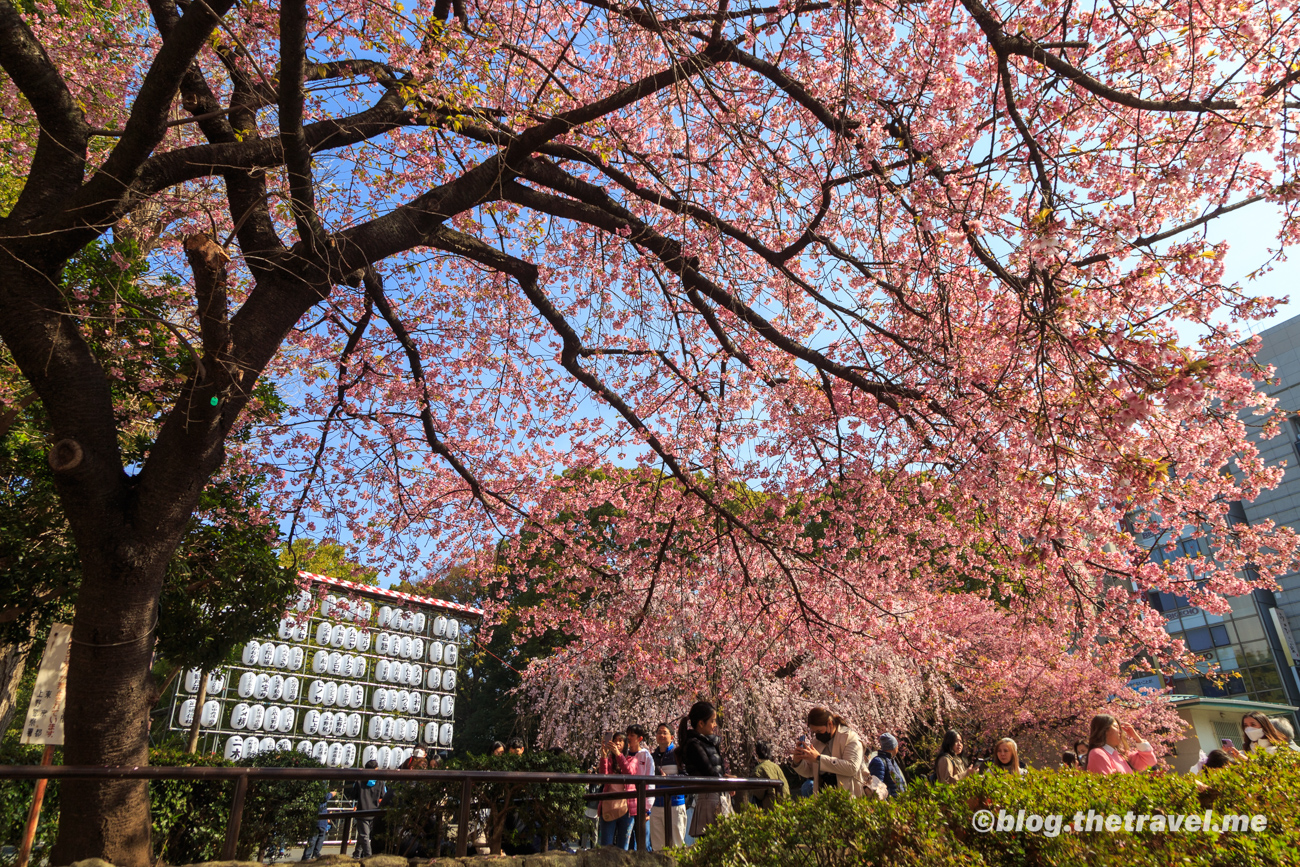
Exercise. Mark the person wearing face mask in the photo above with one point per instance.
(1260, 734)
(1116, 749)
(834, 757)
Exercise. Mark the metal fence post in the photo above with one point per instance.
(462, 827)
(640, 817)
(236, 816)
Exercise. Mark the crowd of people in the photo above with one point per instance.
(830, 755)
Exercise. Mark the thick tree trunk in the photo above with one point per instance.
(13, 660)
(110, 694)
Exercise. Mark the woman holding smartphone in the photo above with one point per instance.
(615, 827)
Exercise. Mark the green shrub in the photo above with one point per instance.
(512, 813)
(932, 824)
(279, 813)
(189, 816)
(16, 800)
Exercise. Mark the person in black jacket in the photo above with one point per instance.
(701, 756)
(369, 795)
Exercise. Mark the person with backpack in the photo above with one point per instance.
(834, 758)
(369, 795)
(885, 767)
(949, 766)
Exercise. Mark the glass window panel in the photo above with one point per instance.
(1194, 619)
(1219, 636)
(1248, 629)
(1199, 640)
(1266, 677)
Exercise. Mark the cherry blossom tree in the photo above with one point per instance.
(918, 266)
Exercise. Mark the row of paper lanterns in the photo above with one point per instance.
(336, 754)
(343, 608)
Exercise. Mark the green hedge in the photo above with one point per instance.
(933, 824)
(189, 816)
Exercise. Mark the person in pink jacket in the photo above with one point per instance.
(1115, 748)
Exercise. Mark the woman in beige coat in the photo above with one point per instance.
(835, 757)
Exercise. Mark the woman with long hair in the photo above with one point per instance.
(949, 766)
(1115, 748)
(700, 755)
(1260, 734)
(835, 755)
(1006, 757)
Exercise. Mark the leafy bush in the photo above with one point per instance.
(279, 813)
(189, 816)
(932, 824)
(509, 814)
(16, 799)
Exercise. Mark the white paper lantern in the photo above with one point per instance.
(281, 659)
(295, 659)
(186, 714)
(331, 694)
(431, 733)
(448, 705)
(431, 706)
(234, 748)
(239, 716)
(433, 680)
(256, 715)
(192, 679)
(251, 747)
(284, 745)
(275, 687)
(304, 747)
(247, 684)
(358, 696)
(311, 722)
(291, 689)
(263, 688)
(285, 630)
(385, 757)
(367, 610)
(417, 648)
(216, 682)
(370, 754)
(435, 651)
(377, 700)
(363, 641)
(385, 616)
(391, 700)
(440, 626)
(444, 735)
(390, 726)
(420, 621)
(416, 703)
(349, 665)
(322, 633)
(407, 645)
(287, 715)
(453, 629)
(300, 632)
(448, 680)
(343, 608)
(349, 755)
(266, 745)
(381, 643)
(338, 635)
(376, 728)
(344, 698)
(320, 662)
(403, 701)
(381, 670)
(267, 655)
(318, 751)
(450, 653)
(252, 652)
(359, 666)
(316, 692)
(211, 713)
(354, 725)
(327, 607)
(336, 664)
(304, 600)
(417, 675)
(351, 637)
(271, 722)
